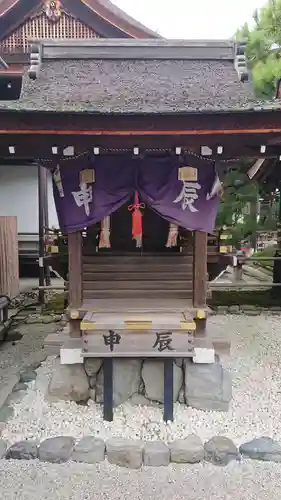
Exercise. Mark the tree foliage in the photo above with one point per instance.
(264, 62)
(240, 205)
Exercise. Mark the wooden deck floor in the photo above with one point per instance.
(137, 305)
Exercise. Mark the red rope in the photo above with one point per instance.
(136, 217)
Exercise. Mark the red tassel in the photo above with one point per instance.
(136, 218)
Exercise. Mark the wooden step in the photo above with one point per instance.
(137, 285)
(141, 267)
(109, 253)
(137, 294)
(142, 275)
(147, 259)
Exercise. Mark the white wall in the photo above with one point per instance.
(19, 196)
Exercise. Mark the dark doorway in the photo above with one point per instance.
(155, 231)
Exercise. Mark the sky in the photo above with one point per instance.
(207, 19)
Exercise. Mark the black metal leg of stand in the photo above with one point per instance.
(168, 390)
(108, 389)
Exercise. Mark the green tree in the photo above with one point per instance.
(264, 62)
(238, 198)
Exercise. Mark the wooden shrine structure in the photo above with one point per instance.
(144, 99)
(20, 23)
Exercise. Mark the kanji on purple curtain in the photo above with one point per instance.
(183, 193)
(86, 190)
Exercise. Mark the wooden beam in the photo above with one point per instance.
(45, 146)
(9, 266)
(252, 122)
(200, 269)
(75, 277)
(252, 172)
(140, 132)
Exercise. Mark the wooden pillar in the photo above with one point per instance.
(200, 269)
(75, 277)
(9, 256)
(41, 190)
(46, 221)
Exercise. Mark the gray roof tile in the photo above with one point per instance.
(134, 86)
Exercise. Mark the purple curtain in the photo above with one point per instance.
(187, 203)
(79, 206)
(179, 192)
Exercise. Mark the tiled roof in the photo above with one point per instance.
(134, 86)
(112, 76)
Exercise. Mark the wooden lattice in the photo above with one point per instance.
(40, 27)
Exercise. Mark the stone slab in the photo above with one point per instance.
(264, 448)
(56, 450)
(153, 377)
(89, 450)
(207, 387)
(220, 450)
(69, 383)
(156, 454)
(126, 380)
(189, 450)
(3, 448)
(6, 412)
(7, 388)
(28, 376)
(23, 450)
(125, 453)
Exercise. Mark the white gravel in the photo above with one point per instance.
(32, 480)
(255, 410)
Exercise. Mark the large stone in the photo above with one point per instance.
(15, 397)
(56, 450)
(92, 366)
(140, 400)
(47, 319)
(6, 412)
(220, 451)
(234, 309)
(89, 450)
(3, 448)
(263, 448)
(189, 450)
(69, 382)
(153, 377)
(92, 394)
(23, 450)
(20, 387)
(93, 381)
(156, 454)
(126, 380)
(28, 376)
(125, 453)
(32, 320)
(207, 387)
(181, 398)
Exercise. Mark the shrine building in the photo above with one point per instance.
(136, 135)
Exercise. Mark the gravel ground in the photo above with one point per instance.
(14, 357)
(255, 410)
(33, 480)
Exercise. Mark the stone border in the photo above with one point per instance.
(219, 451)
(47, 318)
(246, 310)
(26, 375)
